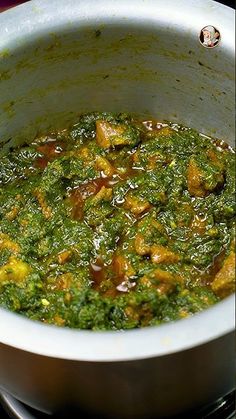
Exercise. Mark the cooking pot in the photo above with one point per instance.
(64, 57)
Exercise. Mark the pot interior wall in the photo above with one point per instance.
(48, 78)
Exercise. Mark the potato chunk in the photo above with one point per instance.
(224, 281)
(15, 270)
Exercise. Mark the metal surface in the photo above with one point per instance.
(223, 408)
(13, 408)
(58, 59)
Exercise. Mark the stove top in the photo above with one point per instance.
(223, 408)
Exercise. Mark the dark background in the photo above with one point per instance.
(230, 3)
(10, 3)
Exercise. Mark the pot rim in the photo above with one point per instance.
(29, 19)
(85, 345)
(19, 332)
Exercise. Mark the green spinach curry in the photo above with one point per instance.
(116, 223)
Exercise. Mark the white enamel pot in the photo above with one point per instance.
(59, 58)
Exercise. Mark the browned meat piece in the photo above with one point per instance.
(202, 181)
(136, 205)
(195, 180)
(122, 266)
(104, 194)
(63, 257)
(7, 243)
(198, 224)
(140, 245)
(46, 210)
(103, 164)
(163, 281)
(160, 254)
(224, 282)
(108, 135)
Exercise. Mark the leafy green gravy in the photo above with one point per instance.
(116, 223)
